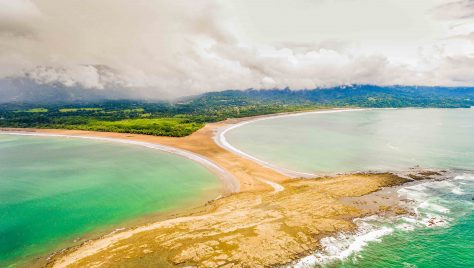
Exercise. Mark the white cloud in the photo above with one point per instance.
(171, 48)
(455, 9)
(17, 17)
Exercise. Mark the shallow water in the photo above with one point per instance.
(440, 234)
(362, 140)
(55, 190)
(448, 242)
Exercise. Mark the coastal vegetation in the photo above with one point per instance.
(159, 119)
(184, 116)
(37, 110)
(177, 127)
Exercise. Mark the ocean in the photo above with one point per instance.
(56, 191)
(440, 232)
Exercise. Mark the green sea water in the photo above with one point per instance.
(441, 234)
(55, 190)
(362, 140)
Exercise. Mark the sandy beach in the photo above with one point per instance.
(221, 140)
(262, 206)
(200, 143)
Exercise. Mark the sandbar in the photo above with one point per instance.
(271, 217)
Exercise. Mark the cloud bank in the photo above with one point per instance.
(171, 48)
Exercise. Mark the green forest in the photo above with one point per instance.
(186, 115)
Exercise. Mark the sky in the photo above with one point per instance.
(172, 48)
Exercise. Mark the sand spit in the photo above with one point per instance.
(250, 229)
(199, 146)
(273, 220)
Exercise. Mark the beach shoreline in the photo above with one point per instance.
(230, 184)
(307, 209)
(221, 140)
(259, 186)
(199, 146)
(191, 146)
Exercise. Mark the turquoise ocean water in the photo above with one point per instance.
(441, 234)
(55, 190)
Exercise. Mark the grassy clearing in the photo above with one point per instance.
(71, 110)
(37, 110)
(176, 127)
(137, 110)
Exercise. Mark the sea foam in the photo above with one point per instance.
(344, 245)
(431, 202)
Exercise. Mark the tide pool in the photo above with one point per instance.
(55, 190)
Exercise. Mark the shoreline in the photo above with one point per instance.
(260, 186)
(418, 210)
(221, 140)
(189, 208)
(230, 184)
(200, 147)
(215, 227)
